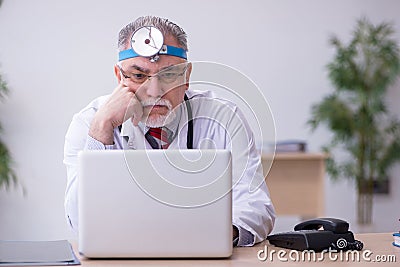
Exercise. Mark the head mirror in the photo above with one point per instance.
(147, 41)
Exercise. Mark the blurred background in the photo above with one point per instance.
(56, 56)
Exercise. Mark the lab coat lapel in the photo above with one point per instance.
(136, 139)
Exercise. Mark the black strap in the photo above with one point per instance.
(189, 141)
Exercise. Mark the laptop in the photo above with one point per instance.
(155, 203)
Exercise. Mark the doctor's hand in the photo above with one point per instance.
(121, 106)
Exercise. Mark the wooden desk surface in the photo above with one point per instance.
(375, 245)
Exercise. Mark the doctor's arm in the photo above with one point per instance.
(253, 210)
(76, 140)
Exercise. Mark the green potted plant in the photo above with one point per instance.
(363, 132)
(7, 175)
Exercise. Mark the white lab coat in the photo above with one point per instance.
(217, 124)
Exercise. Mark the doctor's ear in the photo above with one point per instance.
(188, 73)
(117, 73)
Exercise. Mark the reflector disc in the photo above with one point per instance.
(147, 41)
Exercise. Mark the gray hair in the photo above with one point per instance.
(164, 25)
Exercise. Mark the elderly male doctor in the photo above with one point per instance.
(153, 108)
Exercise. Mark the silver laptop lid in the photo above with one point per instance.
(155, 203)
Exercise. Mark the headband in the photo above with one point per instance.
(148, 41)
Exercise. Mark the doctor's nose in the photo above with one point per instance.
(153, 87)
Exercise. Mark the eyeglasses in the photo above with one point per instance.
(166, 76)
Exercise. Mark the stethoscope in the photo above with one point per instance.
(189, 140)
(148, 41)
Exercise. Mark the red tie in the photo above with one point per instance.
(161, 135)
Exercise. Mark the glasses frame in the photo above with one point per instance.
(148, 77)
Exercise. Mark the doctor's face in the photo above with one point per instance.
(160, 86)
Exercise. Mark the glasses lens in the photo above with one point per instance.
(138, 77)
(172, 74)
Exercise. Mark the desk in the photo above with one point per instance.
(379, 245)
(296, 183)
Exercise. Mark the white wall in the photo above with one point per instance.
(58, 55)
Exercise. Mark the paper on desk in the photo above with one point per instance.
(17, 253)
